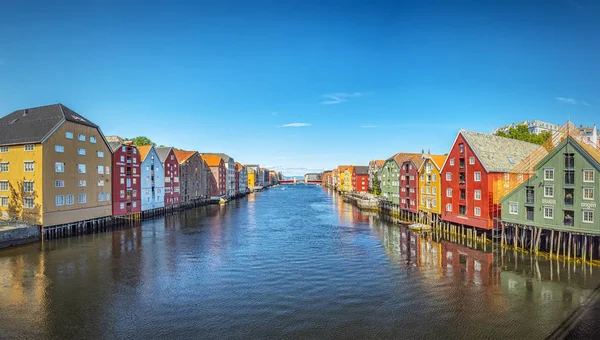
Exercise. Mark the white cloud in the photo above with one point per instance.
(368, 126)
(566, 100)
(340, 97)
(295, 125)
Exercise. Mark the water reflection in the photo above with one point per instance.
(298, 263)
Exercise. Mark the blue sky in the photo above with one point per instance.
(357, 80)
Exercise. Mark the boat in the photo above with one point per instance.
(419, 227)
(222, 201)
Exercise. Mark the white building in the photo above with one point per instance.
(535, 126)
(153, 179)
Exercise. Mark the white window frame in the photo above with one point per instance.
(59, 167)
(477, 176)
(550, 209)
(449, 207)
(28, 199)
(476, 196)
(471, 160)
(512, 205)
(59, 200)
(81, 151)
(448, 176)
(477, 211)
(32, 163)
(5, 183)
(100, 170)
(82, 183)
(79, 169)
(548, 171)
(69, 135)
(589, 171)
(3, 149)
(448, 192)
(59, 148)
(545, 191)
(100, 154)
(3, 164)
(452, 161)
(70, 199)
(93, 139)
(2, 200)
(592, 191)
(32, 187)
(583, 219)
(59, 183)
(82, 198)
(81, 137)
(29, 147)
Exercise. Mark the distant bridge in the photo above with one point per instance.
(301, 181)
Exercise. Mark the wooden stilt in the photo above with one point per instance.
(569, 245)
(551, 242)
(537, 242)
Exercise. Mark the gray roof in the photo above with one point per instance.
(33, 125)
(163, 152)
(496, 153)
(361, 169)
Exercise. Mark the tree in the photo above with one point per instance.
(521, 132)
(141, 140)
(16, 209)
(376, 189)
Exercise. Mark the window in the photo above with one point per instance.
(428, 190)
(69, 135)
(449, 192)
(28, 203)
(81, 168)
(29, 147)
(122, 193)
(549, 212)
(569, 160)
(569, 177)
(81, 151)
(81, 198)
(588, 216)
(448, 176)
(477, 175)
(100, 154)
(461, 148)
(4, 201)
(434, 203)
(92, 139)
(451, 161)
(69, 199)
(28, 166)
(422, 177)
(107, 170)
(529, 195)
(28, 186)
(588, 176)
(107, 196)
(477, 211)
(81, 137)
(462, 210)
(122, 158)
(478, 195)
(471, 160)
(548, 174)
(134, 193)
(433, 177)
(59, 184)
(434, 190)
(3, 185)
(124, 149)
(122, 206)
(122, 169)
(588, 193)
(59, 167)
(3, 149)
(510, 160)
(82, 182)
(172, 157)
(513, 208)
(59, 200)
(101, 183)
(100, 197)
(122, 180)
(135, 181)
(529, 213)
(4, 167)
(422, 190)
(59, 148)
(549, 191)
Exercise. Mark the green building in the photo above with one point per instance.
(389, 177)
(561, 194)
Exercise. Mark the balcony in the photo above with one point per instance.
(568, 222)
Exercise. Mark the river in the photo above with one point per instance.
(297, 263)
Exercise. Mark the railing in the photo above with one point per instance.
(529, 200)
(568, 200)
(568, 221)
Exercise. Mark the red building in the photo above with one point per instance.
(360, 178)
(126, 183)
(217, 176)
(409, 183)
(171, 165)
(474, 164)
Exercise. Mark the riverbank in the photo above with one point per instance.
(16, 234)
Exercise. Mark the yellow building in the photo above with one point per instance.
(55, 167)
(251, 178)
(341, 176)
(430, 185)
(348, 179)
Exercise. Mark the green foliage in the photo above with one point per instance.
(141, 140)
(376, 189)
(521, 132)
(16, 209)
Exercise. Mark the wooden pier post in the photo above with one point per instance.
(551, 241)
(569, 250)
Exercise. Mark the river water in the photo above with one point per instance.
(297, 263)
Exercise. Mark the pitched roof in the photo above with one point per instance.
(183, 156)
(33, 125)
(225, 157)
(163, 153)
(438, 160)
(417, 160)
(361, 169)
(497, 154)
(402, 157)
(144, 150)
(211, 159)
(343, 168)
